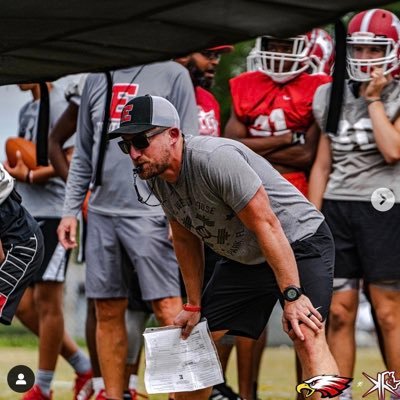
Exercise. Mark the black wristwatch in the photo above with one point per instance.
(292, 293)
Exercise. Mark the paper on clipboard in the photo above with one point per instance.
(177, 365)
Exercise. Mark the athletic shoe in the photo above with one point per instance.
(36, 394)
(83, 388)
(223, 392)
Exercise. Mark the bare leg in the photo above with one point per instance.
(245, 348)
(386, 303)
(315, 356)
(48, 299)
(90, 332)
(111, 342)
(258, 353)
(341, 329)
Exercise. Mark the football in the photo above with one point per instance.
(26, 148)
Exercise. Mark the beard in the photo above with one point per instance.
(198, 77)
(151, 170)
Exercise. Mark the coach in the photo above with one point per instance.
(275, 244)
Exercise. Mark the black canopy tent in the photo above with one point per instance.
(46, 39)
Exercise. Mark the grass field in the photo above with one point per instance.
(277, 377)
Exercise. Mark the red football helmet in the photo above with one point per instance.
(280, 66)
(373, 28)
(322, 53)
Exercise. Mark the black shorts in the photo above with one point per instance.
(367, 241)
(240, 298)
(22, 244)
(55, 261)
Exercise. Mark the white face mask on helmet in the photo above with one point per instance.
(378, 28)
(274, 64)
(322, 52)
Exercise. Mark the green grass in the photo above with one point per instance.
(277, 380)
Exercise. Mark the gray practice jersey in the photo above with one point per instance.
(116, 196)
(358, 167)
(43, 200)
(218, 178)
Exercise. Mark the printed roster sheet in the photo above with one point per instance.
(177, 365)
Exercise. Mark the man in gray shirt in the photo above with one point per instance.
(275, 244)
(121, 230)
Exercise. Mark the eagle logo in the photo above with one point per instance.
(328, 386)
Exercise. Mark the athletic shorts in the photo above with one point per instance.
(239, 298)
(367, 241)
(145, 241)
(22, 243)
(55, 261)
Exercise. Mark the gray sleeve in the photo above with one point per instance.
(80, 171)
(321, 104)
(232, 178)
(183, 98)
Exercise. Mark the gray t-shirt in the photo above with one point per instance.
(43, 200)
(358, 167)
(116, 196)
(218, 178)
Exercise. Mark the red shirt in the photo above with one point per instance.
(209, 112)
(268, 108)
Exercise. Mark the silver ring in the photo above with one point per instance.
(310, 315)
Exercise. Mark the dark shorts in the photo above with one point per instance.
(240, 298)
(22, 244)
(367, 241)
(55, 261)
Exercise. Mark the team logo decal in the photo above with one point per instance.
(328, 386)
(126, 116)
(384, 382)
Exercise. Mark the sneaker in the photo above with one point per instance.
(83, 388)
(36, 394)
(223, 392)
(101, 395)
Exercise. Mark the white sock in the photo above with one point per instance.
(98, 384)
(133, 381)
(347, 394)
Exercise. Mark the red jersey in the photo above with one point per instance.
(268, 108)
(209, 112)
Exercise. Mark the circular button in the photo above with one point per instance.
(382, 199)
(20, 378)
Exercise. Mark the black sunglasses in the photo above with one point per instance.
(141, 141)
(211, 54)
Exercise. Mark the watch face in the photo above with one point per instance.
(292, 294)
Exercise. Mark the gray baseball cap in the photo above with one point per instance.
(146, 112)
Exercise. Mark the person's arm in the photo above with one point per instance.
(235, 129)
(299, 156)
(279, 255)
(320, 171)
(64, 128)
(387, 134)
(190, 255)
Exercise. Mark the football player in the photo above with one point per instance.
(349, 168)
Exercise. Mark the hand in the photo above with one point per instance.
(300, 310)
(187, 320)
(377, 83)
(20, 171)
(66, 232)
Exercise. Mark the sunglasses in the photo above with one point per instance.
(141, 141)
(211, 55)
